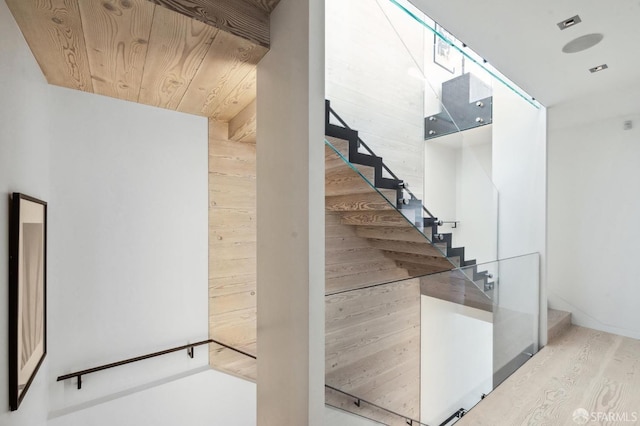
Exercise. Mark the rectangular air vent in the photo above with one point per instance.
(599, 68)
(574, 20)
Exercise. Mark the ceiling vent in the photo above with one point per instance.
(599, 68)
(574, 20)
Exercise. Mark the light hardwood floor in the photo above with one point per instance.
(582, 369)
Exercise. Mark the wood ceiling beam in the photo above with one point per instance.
(239, 18)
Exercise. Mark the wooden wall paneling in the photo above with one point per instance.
(373, 347)
(234, 363)
(177, 47)
(238, 99)
(236, 17)
(351, 262)
(117, 37)
(242, 127)
(227, 63)
(53, 30)
(232, 249)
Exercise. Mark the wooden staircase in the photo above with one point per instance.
(362, 198)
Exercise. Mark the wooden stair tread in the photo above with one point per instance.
(352, 184)
(386, 218)
(358, 202)
(420, 269)
(557, 323)
(422, 248)
(341, 145)
(435, 261)
(347, 169)
(409, 234)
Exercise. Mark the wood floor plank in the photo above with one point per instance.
(583, 368)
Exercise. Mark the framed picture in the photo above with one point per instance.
(443, 54)
(27, 293)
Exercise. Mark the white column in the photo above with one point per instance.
(290, 218)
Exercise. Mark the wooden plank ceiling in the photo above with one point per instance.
(193, 56)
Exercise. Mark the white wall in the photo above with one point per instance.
(519, 174)
(128, 240)
(337, 417)
(127, 192)
(594, 182)
(477, 199)
(456, 358)
(24, 167)
(203, 399)
(441, 179)
(458, 187)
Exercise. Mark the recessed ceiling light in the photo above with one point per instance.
(599, 68)
(574, 20)
(582, 43)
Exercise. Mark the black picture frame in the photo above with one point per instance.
(443, 54)
(27, 293)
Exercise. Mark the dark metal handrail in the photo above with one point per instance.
(361, 142)
(459, 413)
(189, 347)
(358, 401)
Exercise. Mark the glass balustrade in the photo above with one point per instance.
(422, 101)
(428, 349)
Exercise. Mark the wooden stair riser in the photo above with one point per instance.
(347, 171)
(408, 234)
(359, 202)
(376, 218)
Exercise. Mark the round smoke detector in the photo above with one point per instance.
(582, 43)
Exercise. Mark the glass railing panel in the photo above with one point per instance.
(458, 137)
(429, 347)
(397, 106)
(516, 314)
(472, 61)
(372, 351)
(492, 309)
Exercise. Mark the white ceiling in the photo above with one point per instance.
(522, 40)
